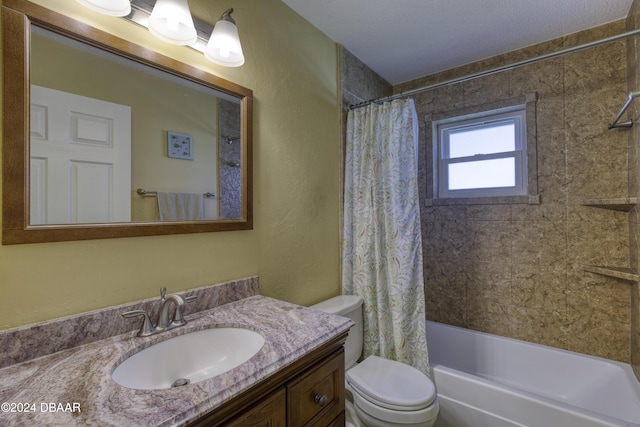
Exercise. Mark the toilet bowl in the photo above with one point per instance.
(385, 393)
(390, 393)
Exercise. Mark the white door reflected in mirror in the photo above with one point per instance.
(80, 159)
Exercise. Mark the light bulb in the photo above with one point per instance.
(171, 22)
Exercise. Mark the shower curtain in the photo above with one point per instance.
(382, 246)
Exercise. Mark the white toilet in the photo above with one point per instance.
(385, 393)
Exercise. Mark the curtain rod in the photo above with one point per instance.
(500, 69)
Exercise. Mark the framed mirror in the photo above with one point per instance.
(103, 138)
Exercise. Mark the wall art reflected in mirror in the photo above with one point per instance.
(108, 139)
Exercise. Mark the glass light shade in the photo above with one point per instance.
(108, 7)
(171, 22)
(224, 45)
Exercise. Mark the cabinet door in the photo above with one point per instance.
(316, 398)
(270, 412)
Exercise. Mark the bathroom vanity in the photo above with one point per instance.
(295, 379)
(304, 394)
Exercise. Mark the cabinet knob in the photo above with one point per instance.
(320, 399)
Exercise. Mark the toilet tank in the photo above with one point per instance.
(348, 306)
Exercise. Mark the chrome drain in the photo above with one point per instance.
(180, 382)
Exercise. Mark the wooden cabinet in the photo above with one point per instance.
(307, 393)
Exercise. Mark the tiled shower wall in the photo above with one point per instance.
(229, 160)
(633, 84)
(359, 83)
(514, 269)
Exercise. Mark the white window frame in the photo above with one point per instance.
(441, 129)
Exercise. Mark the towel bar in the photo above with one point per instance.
(146, 193)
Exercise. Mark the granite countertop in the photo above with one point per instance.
(74, 387)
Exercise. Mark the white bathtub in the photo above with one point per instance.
(485, 380)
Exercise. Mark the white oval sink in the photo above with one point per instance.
(188, 358)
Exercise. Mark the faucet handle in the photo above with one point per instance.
(163, 292)
(147, 327)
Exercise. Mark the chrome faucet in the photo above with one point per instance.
(163, 323)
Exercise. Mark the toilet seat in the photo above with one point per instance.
(391, 385)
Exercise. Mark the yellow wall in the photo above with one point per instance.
(294, 247)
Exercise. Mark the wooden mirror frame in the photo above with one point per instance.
(17, 17)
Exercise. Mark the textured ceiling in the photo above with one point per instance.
(405, 39)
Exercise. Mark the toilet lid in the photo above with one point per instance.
(392, 384)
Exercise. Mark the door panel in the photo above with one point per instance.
(80, 159)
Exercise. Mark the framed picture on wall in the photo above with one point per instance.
(179, 145)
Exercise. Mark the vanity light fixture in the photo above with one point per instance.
(171, 21)
(108, 7)
(224, 46)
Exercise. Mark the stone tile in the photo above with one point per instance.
(488, 213)
(536, 288)
(599, 338)
(448, 213)
(469, 239)
(634, 240)
(488, 316)
(609, 184)
(577, 212)
(598, 67)
(591, 333)
(539, 242)
(544, 212)
(445, 290)
(597, 297)
(486, 89)
(551, 159)
(359, 81)
(634, 167)
(596, 33)
(635, 329)
(538, 325)
(598, 243)
(446, 239)
(595, 155)
(489, 280)
(489, 240)
(633, 83)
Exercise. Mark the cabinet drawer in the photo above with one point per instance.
(271, 412)
(317, 396)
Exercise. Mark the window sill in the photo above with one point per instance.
(532, 199)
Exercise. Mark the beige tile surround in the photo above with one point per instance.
(633, 84)
(515, 269)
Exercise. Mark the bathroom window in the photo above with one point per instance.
(483, 154)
